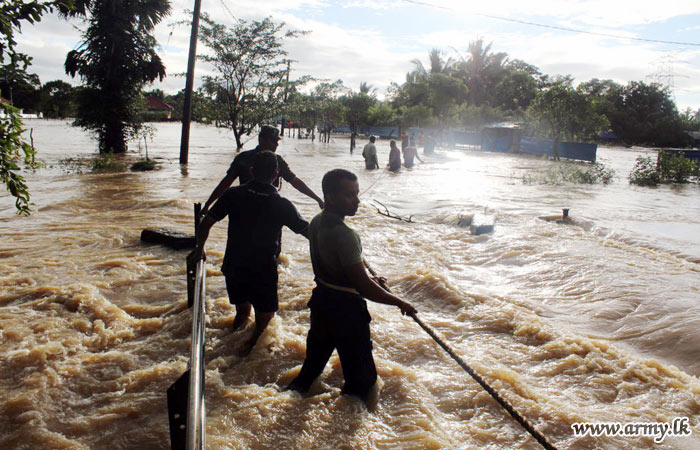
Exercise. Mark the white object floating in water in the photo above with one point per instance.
(482, 224)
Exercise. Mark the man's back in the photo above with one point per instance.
(242, 163)
(409, 154)
(369, 152)
(256, 216)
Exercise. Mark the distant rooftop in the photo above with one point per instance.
(156, 104)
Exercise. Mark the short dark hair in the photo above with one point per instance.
(372, 138)
(268, 132)
(264, 165)
(331, 180)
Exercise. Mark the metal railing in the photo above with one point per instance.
(196, 412)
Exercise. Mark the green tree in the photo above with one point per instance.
(518, 65)
(13, 13)
(437, 65)
(515, 91)
(368, 89)
(321, 108)
(690, 120)
(481, 70)
(445, 94)
(204, 108)
(563, 112)
(116, 58)
(251, 70)
(58, 100)
(476, 117)
(357, 107)
(381, 114)
(605, 97)
(416, 116)
(23, 89)
(648, 115)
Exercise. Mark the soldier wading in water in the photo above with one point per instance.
(339, 316)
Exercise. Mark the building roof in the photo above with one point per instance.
(156, 104)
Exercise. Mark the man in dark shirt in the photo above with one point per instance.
(339, 317)
(268, 139)
(256, 215)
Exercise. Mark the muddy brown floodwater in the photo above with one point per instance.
(593, 322)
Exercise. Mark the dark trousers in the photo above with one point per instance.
(339, 321)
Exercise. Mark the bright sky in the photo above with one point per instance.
(375, 40)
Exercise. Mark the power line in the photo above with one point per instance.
(228, 10)
(554, 27)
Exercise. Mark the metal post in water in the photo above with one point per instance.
(196, 413)
(187, 106)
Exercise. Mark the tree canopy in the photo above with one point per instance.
(115, 60)
(251, 68)
(14, 13)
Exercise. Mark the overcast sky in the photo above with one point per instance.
(375, 40)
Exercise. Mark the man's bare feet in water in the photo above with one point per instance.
(261, 321)
(242, 314)
(248, 346)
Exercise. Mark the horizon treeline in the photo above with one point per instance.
(464, 92)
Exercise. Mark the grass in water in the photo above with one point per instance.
(143, 165)
(101, 163)
(557, 174)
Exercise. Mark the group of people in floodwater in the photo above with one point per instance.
(408, 149)
(256, 212)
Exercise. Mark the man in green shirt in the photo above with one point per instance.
(339, 316)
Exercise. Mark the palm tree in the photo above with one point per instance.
(116, 58)
(481, 70)
(366, 88)
(437, 65)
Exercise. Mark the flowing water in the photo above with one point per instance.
(591, 322)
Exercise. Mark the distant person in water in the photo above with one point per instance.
(353, 135)
(409, 153)
(369, 152)
(339, 316)
(256, 214)
(404, 141)
(394, 157)
(429, 145)
(268, 139)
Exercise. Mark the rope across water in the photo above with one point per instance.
(494, 394)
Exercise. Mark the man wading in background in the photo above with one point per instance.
(369, 152)
(256, 214)
(339, 316)
(268, 139)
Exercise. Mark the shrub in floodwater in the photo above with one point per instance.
(571, 173)
(644, 172)
(676, 168)
(102, 163)
(107, 162)
(143, 165)
(669, 168)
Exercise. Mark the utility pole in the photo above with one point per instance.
(286, 93)
(187, 107)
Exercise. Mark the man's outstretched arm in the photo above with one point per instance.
(224, 184)
(300, 186)
(372, 291)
